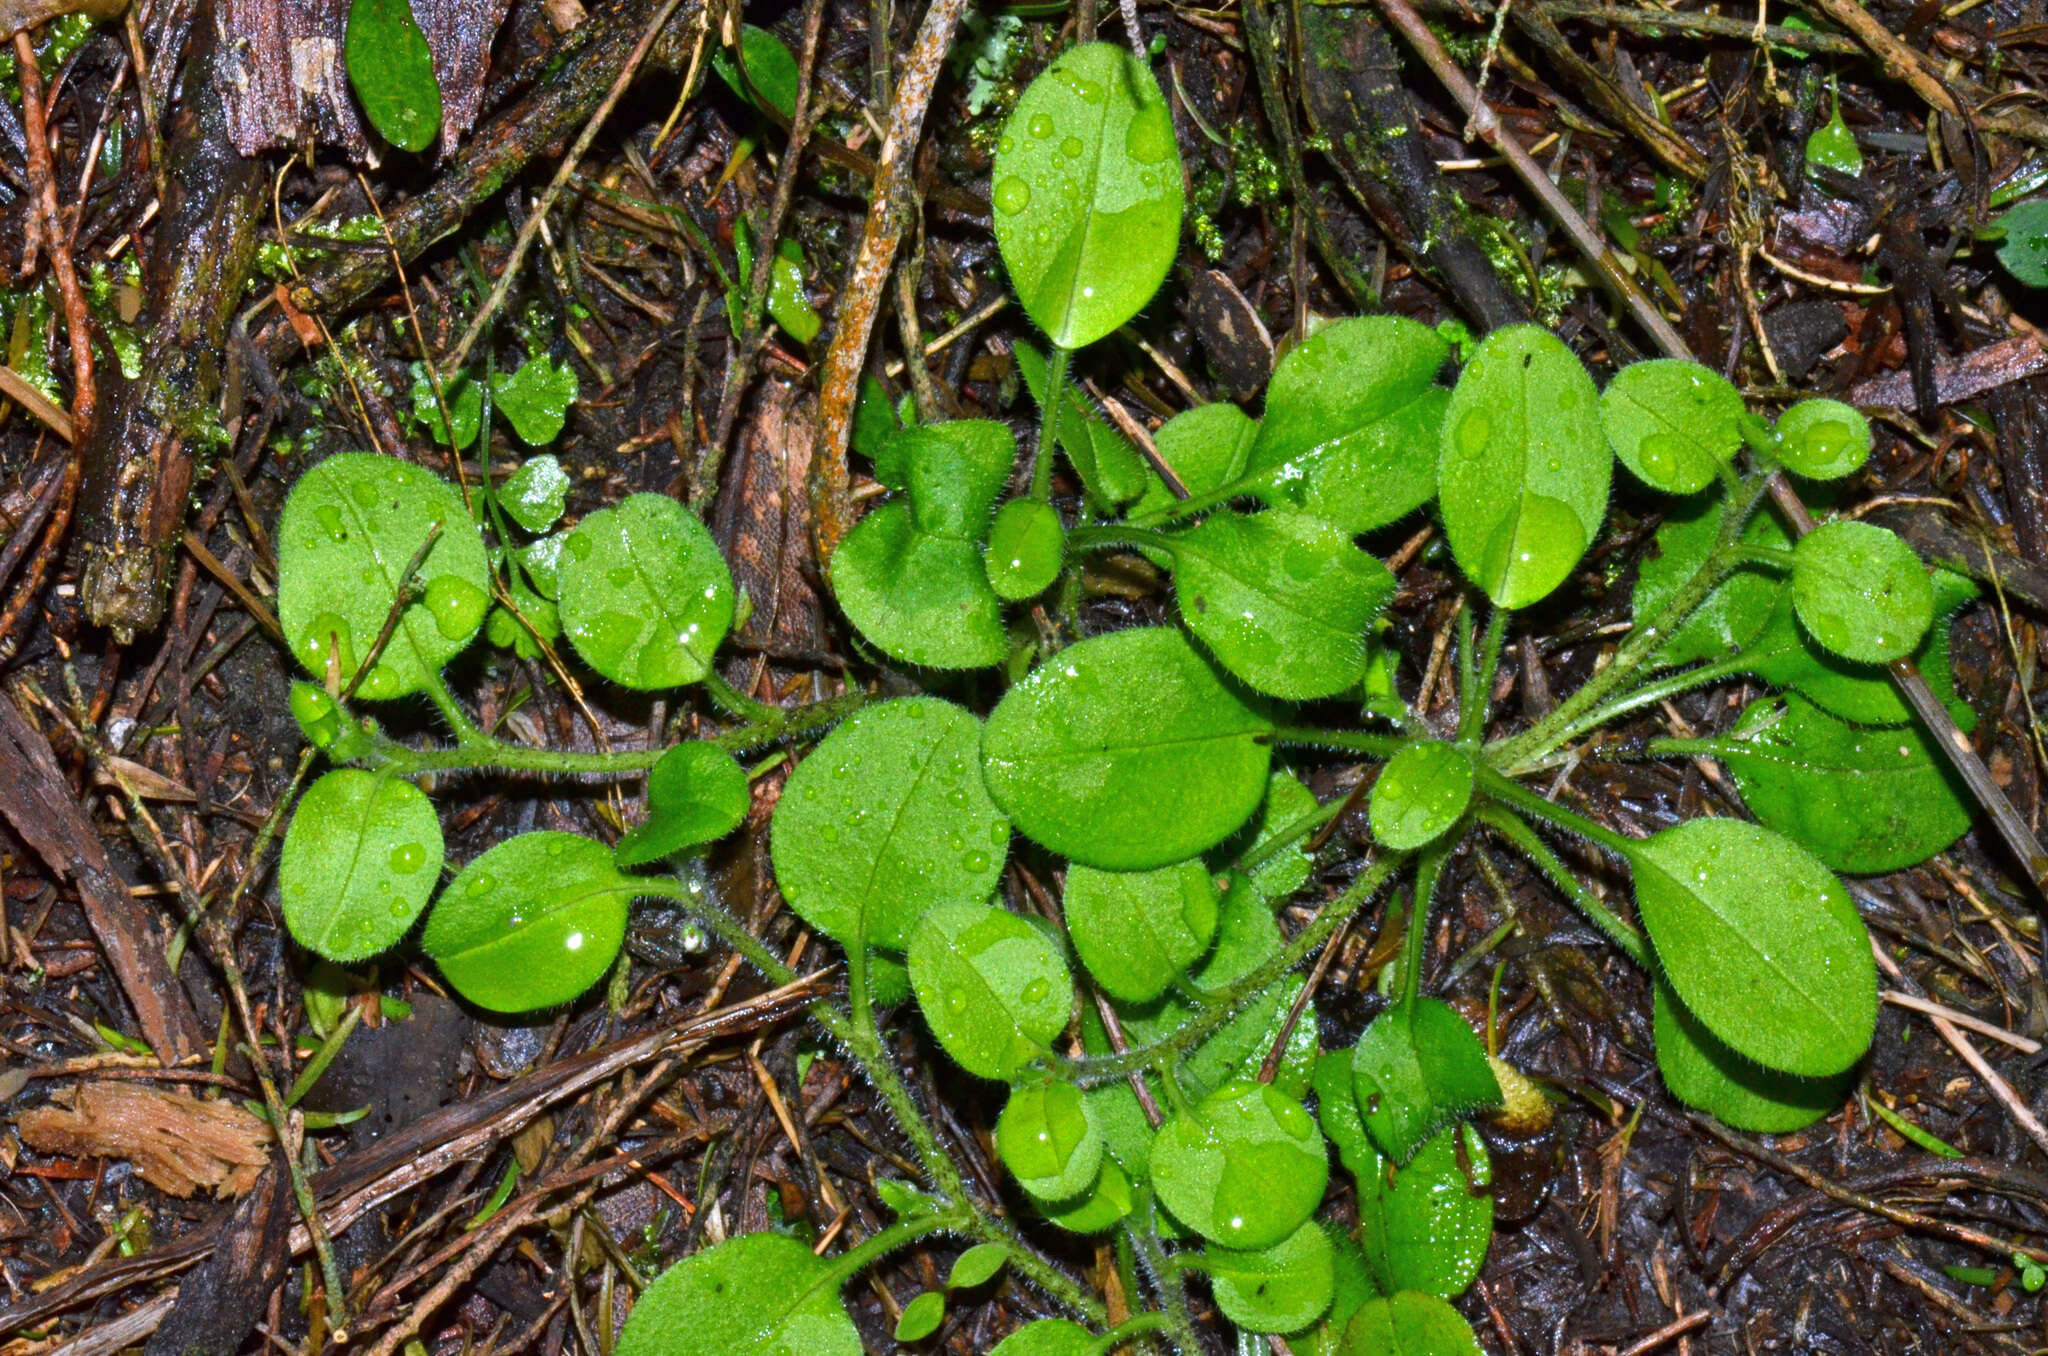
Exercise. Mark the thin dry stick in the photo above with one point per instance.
(510, 273)
(860, 299)
(2026, 1045)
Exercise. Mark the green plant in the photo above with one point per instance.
(1144, 765)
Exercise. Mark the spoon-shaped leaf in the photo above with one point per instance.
(1703, 1072)
(1861, 591)
(993, 988)
(885, 820)
(696, 793)
(1136, 931)
(1823, 439)
(1760, 942)
(646, 596)
(1088, 193)
(533, 922)
(1427, 1226)
(1283, 1288)
(1417, 1068)
(762, 1294)
(351, 526)
(1244, 1169)
(1408, 1324)
(1522, 480)
(1420, 793)
(361, 859)
(1126, 752)
(1048, 1136)
(1672, 423)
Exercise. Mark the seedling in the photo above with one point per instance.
(1152, 772)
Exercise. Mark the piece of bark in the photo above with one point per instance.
(177, 1142)
(2020, 412)
(138, 461)
(1351, 87)
(283, 79)
(763, 524)
(38, 802)
(1980, 370)
(219, 1305)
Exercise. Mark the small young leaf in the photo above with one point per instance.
(646, 596)
(1426, 1227)
(465, 407)
(2025, 251)
(392, 71)
(1760, 942)
(977, 1266)
(351, 526)
(532, 923)
(1863, 801)
(1126, 752)
(1702, 1072)
(1283, 1288)
(1111, 470)
(992, 988)
(1208, 447)
(1049, 1337)
(886, 819)
(771, 70)
(1522, 479)
(535, 495)
(1417, 1068)
(1353, 415)
(536, 398)
(1861, 591)
(1785, 656)
(1136, 931)
(953, 473)
(318, 715)
(1420, 794)
(1833, 146)
(1275, 877)
(695, 794)
(922, 599)
(1049, 1138)
(1823, 439)
(1672, 423)
(789, 301)
(1088, 193)
(1409, 1324)
(921, 1317)
(1025, 548)
(361, 859)
(1244, 1169)
(1100, 1209)
(762, 1294)
(1282, 599)
(1737, 610)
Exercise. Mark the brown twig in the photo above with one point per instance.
(860, 299)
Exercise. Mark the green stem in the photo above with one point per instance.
(1648, 695)
(1109, 535)
(1429, 871)
(1224, 1003)
(1349, 741)
(1171, 1281)
(465, 730)
(1525, 840)
(1048, 422)
(735, 702)
(1477, 687)
(865, 1254)
(1520, 798)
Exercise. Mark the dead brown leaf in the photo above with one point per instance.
(176, 1141)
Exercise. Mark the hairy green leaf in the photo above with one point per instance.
(392, 72)
(1025, 547)
(1111, 470)
(531, 923)
(1207, 447)
(1823, 439)
(1136, 931)
(695, 794)
(536, 399)
(1408, 1324)
(1417, 1068)
(887, 819)
(1861, 591)
(1703, 1072)
(1420, 794)
(1427, 1226)
(921, 1317)
(1245, 1168)
(646, 597)
(762, 1294)
(993, 989)
(1049, 1337)
(360, 861)
(1760, 942)
(1048, 1136)
(1087, 193)
(771, 70)
(1674, 424)
(1126, 752)
(535, 495)
(1283, 1288)
(350, 527)
(1522, 480)
(1738, 608)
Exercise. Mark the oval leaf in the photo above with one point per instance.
(1282, 599)
(1049, 1337)
(1861, 591)
(1245, 1169)
(977, 1266)
(921, 598)
(1136, 931)
(535, 495)
(1703, 1072)
(992, 988)
(1522, 480)
(1100, 1209)
(1126, 752)
(536, 398)
(921, 1317)
(763, 1294)
(351, 526)
(1415, 1069)
(1208, 447)
(1408, 1324)
(1427, 1226)
(696, 793)
(645, 595)
(360, 861)
(531, 923)
(1049, 1138)
(1674, 424)
(1823, 439)
(1025, 548)
(1420, 793)
(1863, 801)
(886, 819)
(392, 71)
(1087, 193)
(1760, 942)
(1283, 1288)
(1353, 417)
